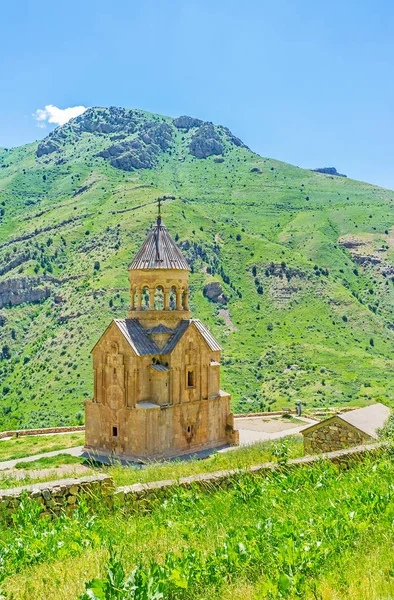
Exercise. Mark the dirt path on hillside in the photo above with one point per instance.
(225, 314)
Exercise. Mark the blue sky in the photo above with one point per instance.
(307, 82)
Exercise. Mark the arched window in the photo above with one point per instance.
(172, 298)
(134, 298)
(159, 298)
(145, 298)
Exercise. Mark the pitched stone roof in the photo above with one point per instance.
(174, 339)
(143, 345)
(137, 337)
(368, 419)
(206, 334)
(159, 251)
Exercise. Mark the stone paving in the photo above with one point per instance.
(262, 429)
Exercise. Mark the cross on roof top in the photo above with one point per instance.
(159, 210)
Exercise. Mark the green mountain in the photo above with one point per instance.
(297, 266)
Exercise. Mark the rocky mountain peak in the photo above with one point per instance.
(133, 139)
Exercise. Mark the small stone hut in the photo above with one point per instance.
(344, 430)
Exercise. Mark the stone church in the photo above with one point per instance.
(157, 373)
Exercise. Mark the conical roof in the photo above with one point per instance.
(159, 251)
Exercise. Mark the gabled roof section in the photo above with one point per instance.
(161, 329)
(159, 251)
(175, 339)
(367, 420)
(143, 345)
(137, 337)
(182, 328)
(206, 334)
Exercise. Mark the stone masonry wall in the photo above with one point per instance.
(333, 436)
(47, 430)
(55, 496)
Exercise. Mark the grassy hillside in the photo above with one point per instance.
(305, 260)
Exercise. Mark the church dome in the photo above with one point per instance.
(159, 281)
(159, 251)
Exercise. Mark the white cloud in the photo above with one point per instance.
(58, 116)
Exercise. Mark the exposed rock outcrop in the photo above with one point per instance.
(142, 151)
(187, 123)
(47, 147)
(232, 138)
(206, 142)
(328, 171)
(214, 291)
(23, 289)
(130, 155)
(107, 120)
(351, 243)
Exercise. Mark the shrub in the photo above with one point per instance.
(5, 352)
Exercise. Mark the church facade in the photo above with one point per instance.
(157, 373)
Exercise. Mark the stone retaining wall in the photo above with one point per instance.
(58, 495)
(265, 414)
(65, 493)
(154, 489)
(21, 432)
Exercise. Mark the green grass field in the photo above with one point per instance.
(320, 532)
(305, 259)
(48, 462)
(29, 445)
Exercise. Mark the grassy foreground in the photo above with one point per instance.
(319, 532)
